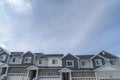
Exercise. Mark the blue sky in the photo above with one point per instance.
(60, 26)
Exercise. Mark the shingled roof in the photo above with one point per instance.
(107, 55)
(84, 56)
(17, 53)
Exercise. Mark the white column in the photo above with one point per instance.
(37, 73)
(70, 76)
(28, 73)
(60, 75)
(6, 71)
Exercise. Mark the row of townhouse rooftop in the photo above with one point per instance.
(39, 66)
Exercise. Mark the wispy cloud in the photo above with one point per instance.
(57, 26)
(21, 6)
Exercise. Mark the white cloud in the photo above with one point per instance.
(21, 6)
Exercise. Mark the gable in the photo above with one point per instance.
(71, 56)
(28, 54)
(65, 70)
(94, 61)
(108, 68)
(32, 68)
(28, 58)
(107, 55)
(3, 64)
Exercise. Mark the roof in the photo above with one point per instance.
(17, 53)
(41, 55)
(84, 56)
(107, 55)
(53, 54)
(50, 55)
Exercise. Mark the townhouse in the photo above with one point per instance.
(39, 66)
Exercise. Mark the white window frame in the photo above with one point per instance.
(3, 57)
(72, 61)
(56, 61)
(41, 62)
(29, 60)
(86, 63)
(99, 61)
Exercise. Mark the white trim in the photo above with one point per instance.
(3, 65)
(32, 68)
(72, 55)
(28, 52)
(110, 53)
(65, 70)
(98, 55)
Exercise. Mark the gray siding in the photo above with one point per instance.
(97, 57)
(28, 54)
(83, 74)
(48, 72)
(70, 57)
(6, 58)
(17, 70)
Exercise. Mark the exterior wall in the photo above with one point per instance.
(107, 74)
(28, 54)
(48, 72)
(70, 57)
(59, 64)
(44, 63)
(93, 61)
(89, 63)
(83, 74)
(17, 70)
(18, 60)
(6, 58)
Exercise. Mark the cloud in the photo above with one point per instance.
(21, 6)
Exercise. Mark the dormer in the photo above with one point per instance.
(28, 58)
(70, 61)
(3, 55)
(98, 61)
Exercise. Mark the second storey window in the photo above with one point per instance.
(40, 62)
(2, 57)
(13, 60)
(113, 62)
(98, 62)
(54, 61)
(27, 60)
(69, 63)
(84, 63)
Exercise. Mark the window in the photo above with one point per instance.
(84, 63)
(113, 62)
(27, 60)
(69, 63)
(98, 62)
(13, 60)
(54, 61)
(2, 57)
(40, 62)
